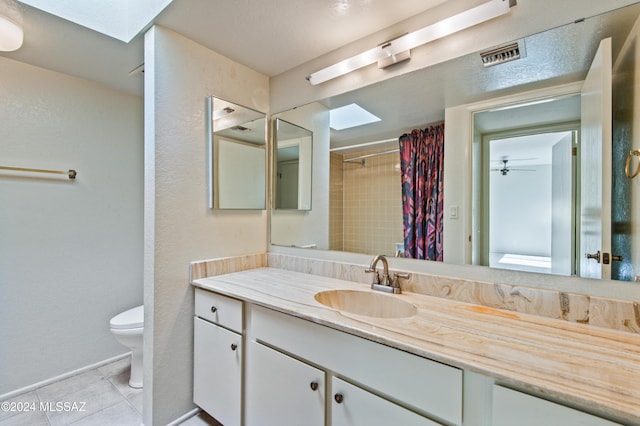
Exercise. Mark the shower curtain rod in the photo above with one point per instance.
(362, 157)
(360, 145)
(70, 173)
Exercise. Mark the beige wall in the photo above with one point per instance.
(179, 228)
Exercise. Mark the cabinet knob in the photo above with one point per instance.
(339, 398)
(214, 309)
(234, 346)
(314, 386)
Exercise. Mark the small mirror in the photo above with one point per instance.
(237, 153)
(292, 166)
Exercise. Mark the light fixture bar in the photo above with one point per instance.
(469, 18)
(11, 35)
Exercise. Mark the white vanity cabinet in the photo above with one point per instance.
(511, 407)
(281, 390)
(376, 382)
(217, 359)
(258, 366)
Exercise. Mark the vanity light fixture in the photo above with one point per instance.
(399, 49)
(11, 35)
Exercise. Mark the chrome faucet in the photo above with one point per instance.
(386, 283)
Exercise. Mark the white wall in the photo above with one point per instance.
(70, 251)
(179, 228)
(291, 227)
(520, 212)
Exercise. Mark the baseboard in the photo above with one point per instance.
(185, 417)
(35, 386)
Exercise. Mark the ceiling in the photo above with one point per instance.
(269, 36)
(273, 36)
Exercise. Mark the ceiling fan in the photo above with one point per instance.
(504, 170)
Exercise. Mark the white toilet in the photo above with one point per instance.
(127, 327)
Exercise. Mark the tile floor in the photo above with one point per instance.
(108, 401)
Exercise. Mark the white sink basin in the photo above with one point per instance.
(378, 305)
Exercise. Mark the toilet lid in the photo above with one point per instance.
(133, 318)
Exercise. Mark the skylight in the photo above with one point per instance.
(120, 19)
(348, 116)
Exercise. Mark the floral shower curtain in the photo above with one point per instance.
(421, 162)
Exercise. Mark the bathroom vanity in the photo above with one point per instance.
(273, 346)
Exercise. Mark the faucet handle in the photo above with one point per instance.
(376, 277)
(395, 281)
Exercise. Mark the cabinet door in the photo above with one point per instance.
(217, 371)
(281, 390)
(353, 406)
(516, 408)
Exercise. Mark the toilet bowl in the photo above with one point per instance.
(127, 327)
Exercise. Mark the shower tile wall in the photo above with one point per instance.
(335, 202)
(371, 203)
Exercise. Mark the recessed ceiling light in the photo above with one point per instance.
(348, 116)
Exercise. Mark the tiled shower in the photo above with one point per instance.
(365, 203)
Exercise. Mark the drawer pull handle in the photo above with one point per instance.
(314, 386)
(214, 309)
(339, 398)
(234, 346)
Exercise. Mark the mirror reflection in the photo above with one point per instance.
(237, 156)
(293, 166)
(525, 188)
(365, 163)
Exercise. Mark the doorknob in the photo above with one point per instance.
(606, 257)
(595, 256)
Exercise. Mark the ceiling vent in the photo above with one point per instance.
(502, 54)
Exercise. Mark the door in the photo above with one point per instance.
(562, 213)
(287, 190)
(595, 167)
(282, 391)
(353, 406)
(217, 371)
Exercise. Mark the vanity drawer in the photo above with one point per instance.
(218, 309)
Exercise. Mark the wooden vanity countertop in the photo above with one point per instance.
(596, 369)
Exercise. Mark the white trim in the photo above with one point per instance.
(185, 417)
(458, 165)
(63, 376)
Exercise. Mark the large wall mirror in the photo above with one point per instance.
(237, 167)
(515, 151)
